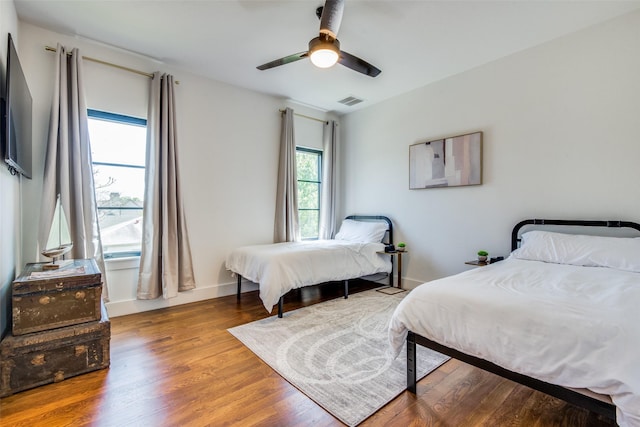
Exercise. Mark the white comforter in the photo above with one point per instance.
(280, 267)
(573, 326)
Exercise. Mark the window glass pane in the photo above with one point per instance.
(119, 184)
(309, 224)
(308, 163)
(307, 166)
(120, 143)
(308, 195)
(120, 230)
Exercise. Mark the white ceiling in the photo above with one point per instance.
(414, 43)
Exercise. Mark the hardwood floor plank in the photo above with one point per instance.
(497, 396)
(180, 367)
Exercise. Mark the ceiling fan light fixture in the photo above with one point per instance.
(324, 51)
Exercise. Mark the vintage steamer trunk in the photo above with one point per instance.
(40, 358)
(44, 300)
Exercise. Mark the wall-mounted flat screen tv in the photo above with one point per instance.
(16, 116)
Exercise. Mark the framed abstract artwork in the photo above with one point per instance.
(446, 162)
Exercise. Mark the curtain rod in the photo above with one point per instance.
(307, 117)
(110, 64)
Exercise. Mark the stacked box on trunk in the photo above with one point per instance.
(48, 299)
(60, 326)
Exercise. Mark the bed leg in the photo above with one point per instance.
(239, 287)
(411, 362)
(346, 289)
(280, 301)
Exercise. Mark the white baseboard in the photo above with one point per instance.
(122, 308)
(408, 283)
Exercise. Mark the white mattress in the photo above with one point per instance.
(280, 267)
(573, 326)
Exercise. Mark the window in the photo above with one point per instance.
(118, 149)
(309, 167)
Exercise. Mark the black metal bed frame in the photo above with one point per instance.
(388, 239)
(574, 397)
(580, 223)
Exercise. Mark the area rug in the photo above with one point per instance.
(336, 352)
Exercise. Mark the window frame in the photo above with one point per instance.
(121, 119)
(320, 154)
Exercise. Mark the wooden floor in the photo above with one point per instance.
(180, 367)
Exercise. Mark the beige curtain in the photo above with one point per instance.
(329, 180)
(165, 262)
(286, 227)
(68, 171)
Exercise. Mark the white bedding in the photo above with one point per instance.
(280, 267)
(572, 326)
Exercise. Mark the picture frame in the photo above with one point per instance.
(446, 162)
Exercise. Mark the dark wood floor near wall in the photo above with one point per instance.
(180, 367)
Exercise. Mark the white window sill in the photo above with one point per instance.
(124, 263)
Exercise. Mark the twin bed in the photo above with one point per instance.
(560, 315)
(281, 267)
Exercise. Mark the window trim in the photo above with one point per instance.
(117, 118)
(320, 155)
(128, 120)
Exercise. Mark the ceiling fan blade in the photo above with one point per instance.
(282, 61)
(358, 64)
(331, 17)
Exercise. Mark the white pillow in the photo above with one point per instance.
(592, 251)
(361, 231)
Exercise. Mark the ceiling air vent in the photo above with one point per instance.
(350, 101)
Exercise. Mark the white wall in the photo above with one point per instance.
(561, 130)
(560, 127)
(10, 209)
(229, 140)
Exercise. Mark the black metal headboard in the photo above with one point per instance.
(376, 218)
(582, 223)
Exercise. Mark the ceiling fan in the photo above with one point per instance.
(324, 50)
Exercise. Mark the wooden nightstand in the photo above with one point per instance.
(392, 254)
(477, 263)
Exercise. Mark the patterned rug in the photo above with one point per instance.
(336, 352)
